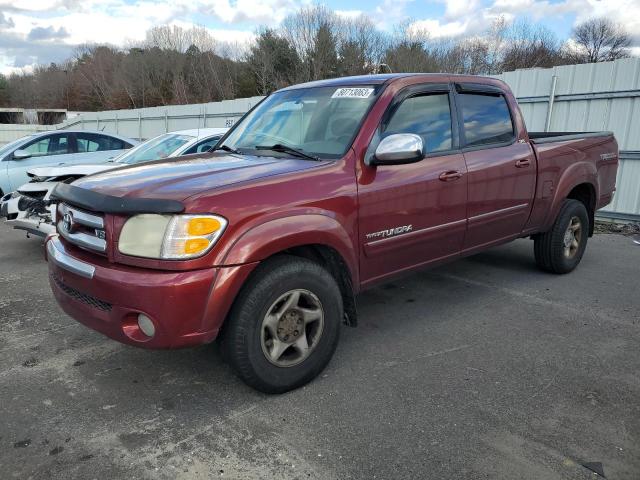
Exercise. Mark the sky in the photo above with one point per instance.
(44, 31)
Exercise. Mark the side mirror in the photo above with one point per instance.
(21, 155)
(398, 149)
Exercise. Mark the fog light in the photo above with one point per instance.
(146, 325)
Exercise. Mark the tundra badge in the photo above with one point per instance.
(391, 232)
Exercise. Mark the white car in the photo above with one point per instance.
(29, 208)
(59, 147)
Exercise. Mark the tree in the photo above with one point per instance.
(528, 46)
(601, 40)
(324, 59)
(302, 32)
(361, 46)
(273, 61)
(177, 65)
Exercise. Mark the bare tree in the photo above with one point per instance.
(601, 40)
(301, 30)
(361, 46)
(176, 65)
(528, 45)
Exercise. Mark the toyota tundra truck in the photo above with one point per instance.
(321, 191)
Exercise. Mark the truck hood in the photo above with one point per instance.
(69, 170)
(183, 178)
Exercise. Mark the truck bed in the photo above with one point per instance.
(549, 137)
(569, 157)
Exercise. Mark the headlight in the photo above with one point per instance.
(170, 237)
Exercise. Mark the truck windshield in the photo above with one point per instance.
(319, 121)
(156, 148)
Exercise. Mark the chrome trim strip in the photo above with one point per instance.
(498, 212)
(83, 218)
(417, 233)
(57, 254)
(83, 240)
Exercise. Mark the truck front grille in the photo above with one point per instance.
(82, 297)
(86, 230)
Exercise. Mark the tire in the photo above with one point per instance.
(555, 251)
(266, 317)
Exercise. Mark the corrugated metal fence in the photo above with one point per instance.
(589, 97)
(602, 96)
(144, 123)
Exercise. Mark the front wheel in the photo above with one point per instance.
(284, 326)
(560, 249)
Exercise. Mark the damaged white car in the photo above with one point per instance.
(29, 208)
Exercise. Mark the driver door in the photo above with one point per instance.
(414, 214)
(45, 151)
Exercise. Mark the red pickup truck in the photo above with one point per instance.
(320, 191)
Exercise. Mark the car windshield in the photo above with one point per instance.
(157, 148)
(320, 121)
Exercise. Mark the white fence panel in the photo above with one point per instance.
(590, 97)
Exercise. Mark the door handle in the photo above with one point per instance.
(450, 175)
(525, 162)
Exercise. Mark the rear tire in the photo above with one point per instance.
(284, 326)
(560, 249)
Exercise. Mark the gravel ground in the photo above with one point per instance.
(484, 368)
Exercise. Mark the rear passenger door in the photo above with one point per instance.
(501, 168)
(413, 214)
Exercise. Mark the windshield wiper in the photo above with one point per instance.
(226, 148)
(279, 147)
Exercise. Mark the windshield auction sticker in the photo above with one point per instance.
(352, 93)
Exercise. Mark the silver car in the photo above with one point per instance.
(60, 147)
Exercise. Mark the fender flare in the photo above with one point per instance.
(574, 175)
(276, 235)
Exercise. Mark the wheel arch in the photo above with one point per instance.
(586, 194)
(316, 237)
(580, 182)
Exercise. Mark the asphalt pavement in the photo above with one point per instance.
(482, 369)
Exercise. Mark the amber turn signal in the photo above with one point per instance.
(199, 226)
(195, 245)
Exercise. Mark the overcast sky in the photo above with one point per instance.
(44, 31)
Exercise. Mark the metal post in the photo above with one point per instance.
(116, 120)
(166, 121)
(552, 97)
(97, 122)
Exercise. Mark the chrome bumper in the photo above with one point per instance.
(57, 254)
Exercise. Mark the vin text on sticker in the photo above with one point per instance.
(352, 93)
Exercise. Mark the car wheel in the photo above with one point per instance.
(560, 249)
(284, 326)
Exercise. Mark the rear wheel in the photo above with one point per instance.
(560, 249)
(284, 326)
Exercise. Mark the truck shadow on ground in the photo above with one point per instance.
(427, 297)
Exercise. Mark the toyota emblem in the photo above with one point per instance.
(67, 222)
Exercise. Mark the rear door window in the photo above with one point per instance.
(486, 119)
(94, 142)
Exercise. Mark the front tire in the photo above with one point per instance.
(284, 326)
(560, 249)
